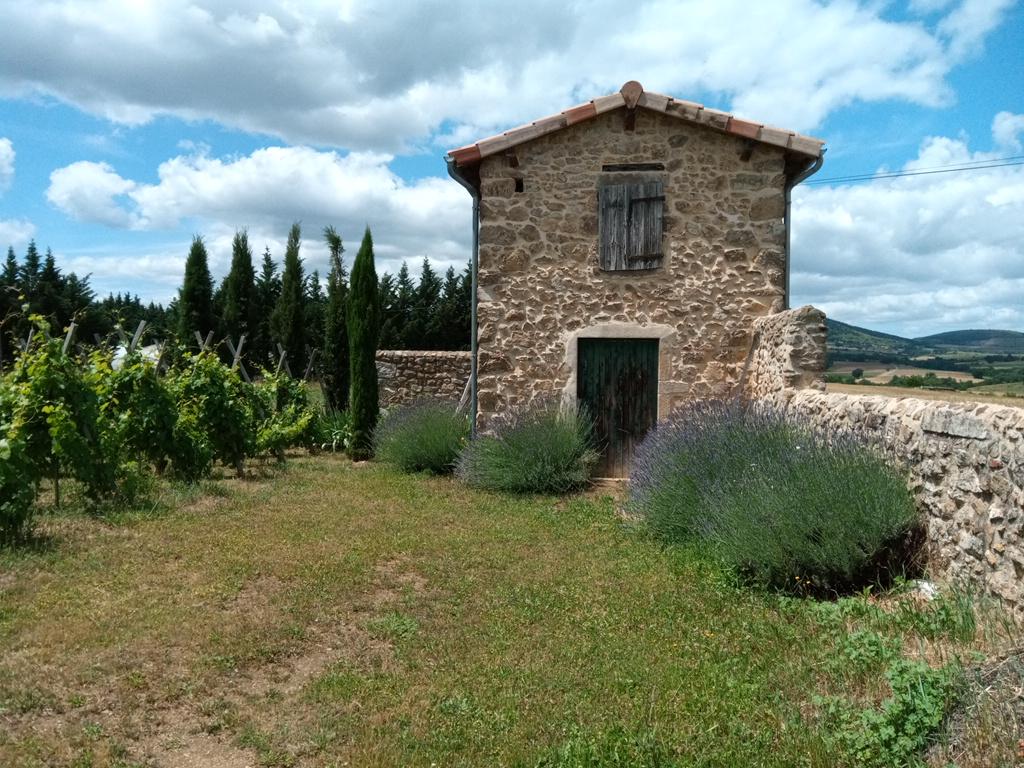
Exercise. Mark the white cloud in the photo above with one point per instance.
(377, 75)
(89, 191)
(967, 25)
(267, 190)
(918, 254)
(1006, 130)
(15, 232)
(6, 165)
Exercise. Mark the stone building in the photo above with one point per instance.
(625, 248)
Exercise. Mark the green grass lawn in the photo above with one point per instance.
(331, 615)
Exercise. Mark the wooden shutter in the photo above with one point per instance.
(630, 225)
(643, 217)
(611, 229)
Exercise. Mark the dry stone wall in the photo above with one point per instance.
(406, 376)
(540, 286)
(966, 465)
(788, 353)
(965, 460)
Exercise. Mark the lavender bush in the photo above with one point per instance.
(423, 437)
(546, 449)
(783, 502)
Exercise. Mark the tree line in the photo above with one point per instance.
(275, 305)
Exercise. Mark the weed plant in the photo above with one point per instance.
(423, 437)
(333, 429)
(541, 450)
(784, 503)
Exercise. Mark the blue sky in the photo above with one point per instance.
(150, 121)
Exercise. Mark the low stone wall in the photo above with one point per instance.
(965, 460)
(787, 354)
(966, 465)
(406, 376)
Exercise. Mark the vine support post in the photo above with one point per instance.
(137, 337)
(70, 335)
(309, 365)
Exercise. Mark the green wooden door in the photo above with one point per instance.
(617, 382)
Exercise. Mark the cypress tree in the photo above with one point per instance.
(289, 321)
(195, 299)
(336, 373)
(240, 303)
(363, 318)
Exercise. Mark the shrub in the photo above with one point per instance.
(55, 414)
(137, 410)
(786, 504)
(426, 436)
(214, 412)
(544, 450)
(285, 417)
(17, 480)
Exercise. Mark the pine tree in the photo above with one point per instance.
(268, 289)
(405, 298)
(9, 306)
(388, 338)
(29, 273)
(240, 301)
(195, 299)
(288, 321)
(315, 309)
(9, 277)
(363, 317)
(425, 301)
(335, 367)
(78, 303)
(46, 298)
(447, 329)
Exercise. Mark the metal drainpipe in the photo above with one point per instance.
(453, 171)
(804, 174)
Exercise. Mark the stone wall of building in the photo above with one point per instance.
(540, 287)
(406, 376)
(965, 460)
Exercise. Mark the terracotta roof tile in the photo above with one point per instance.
(743, 128)
(684, 110)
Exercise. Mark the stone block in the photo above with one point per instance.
(953, 423)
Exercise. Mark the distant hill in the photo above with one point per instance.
(843, 337)
(976, 340)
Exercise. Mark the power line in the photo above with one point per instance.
(974, 165)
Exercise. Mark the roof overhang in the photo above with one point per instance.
(631, 96)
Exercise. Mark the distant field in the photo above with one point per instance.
(886, 376)
(881, 373)
(973, 396)
(1016, 389)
